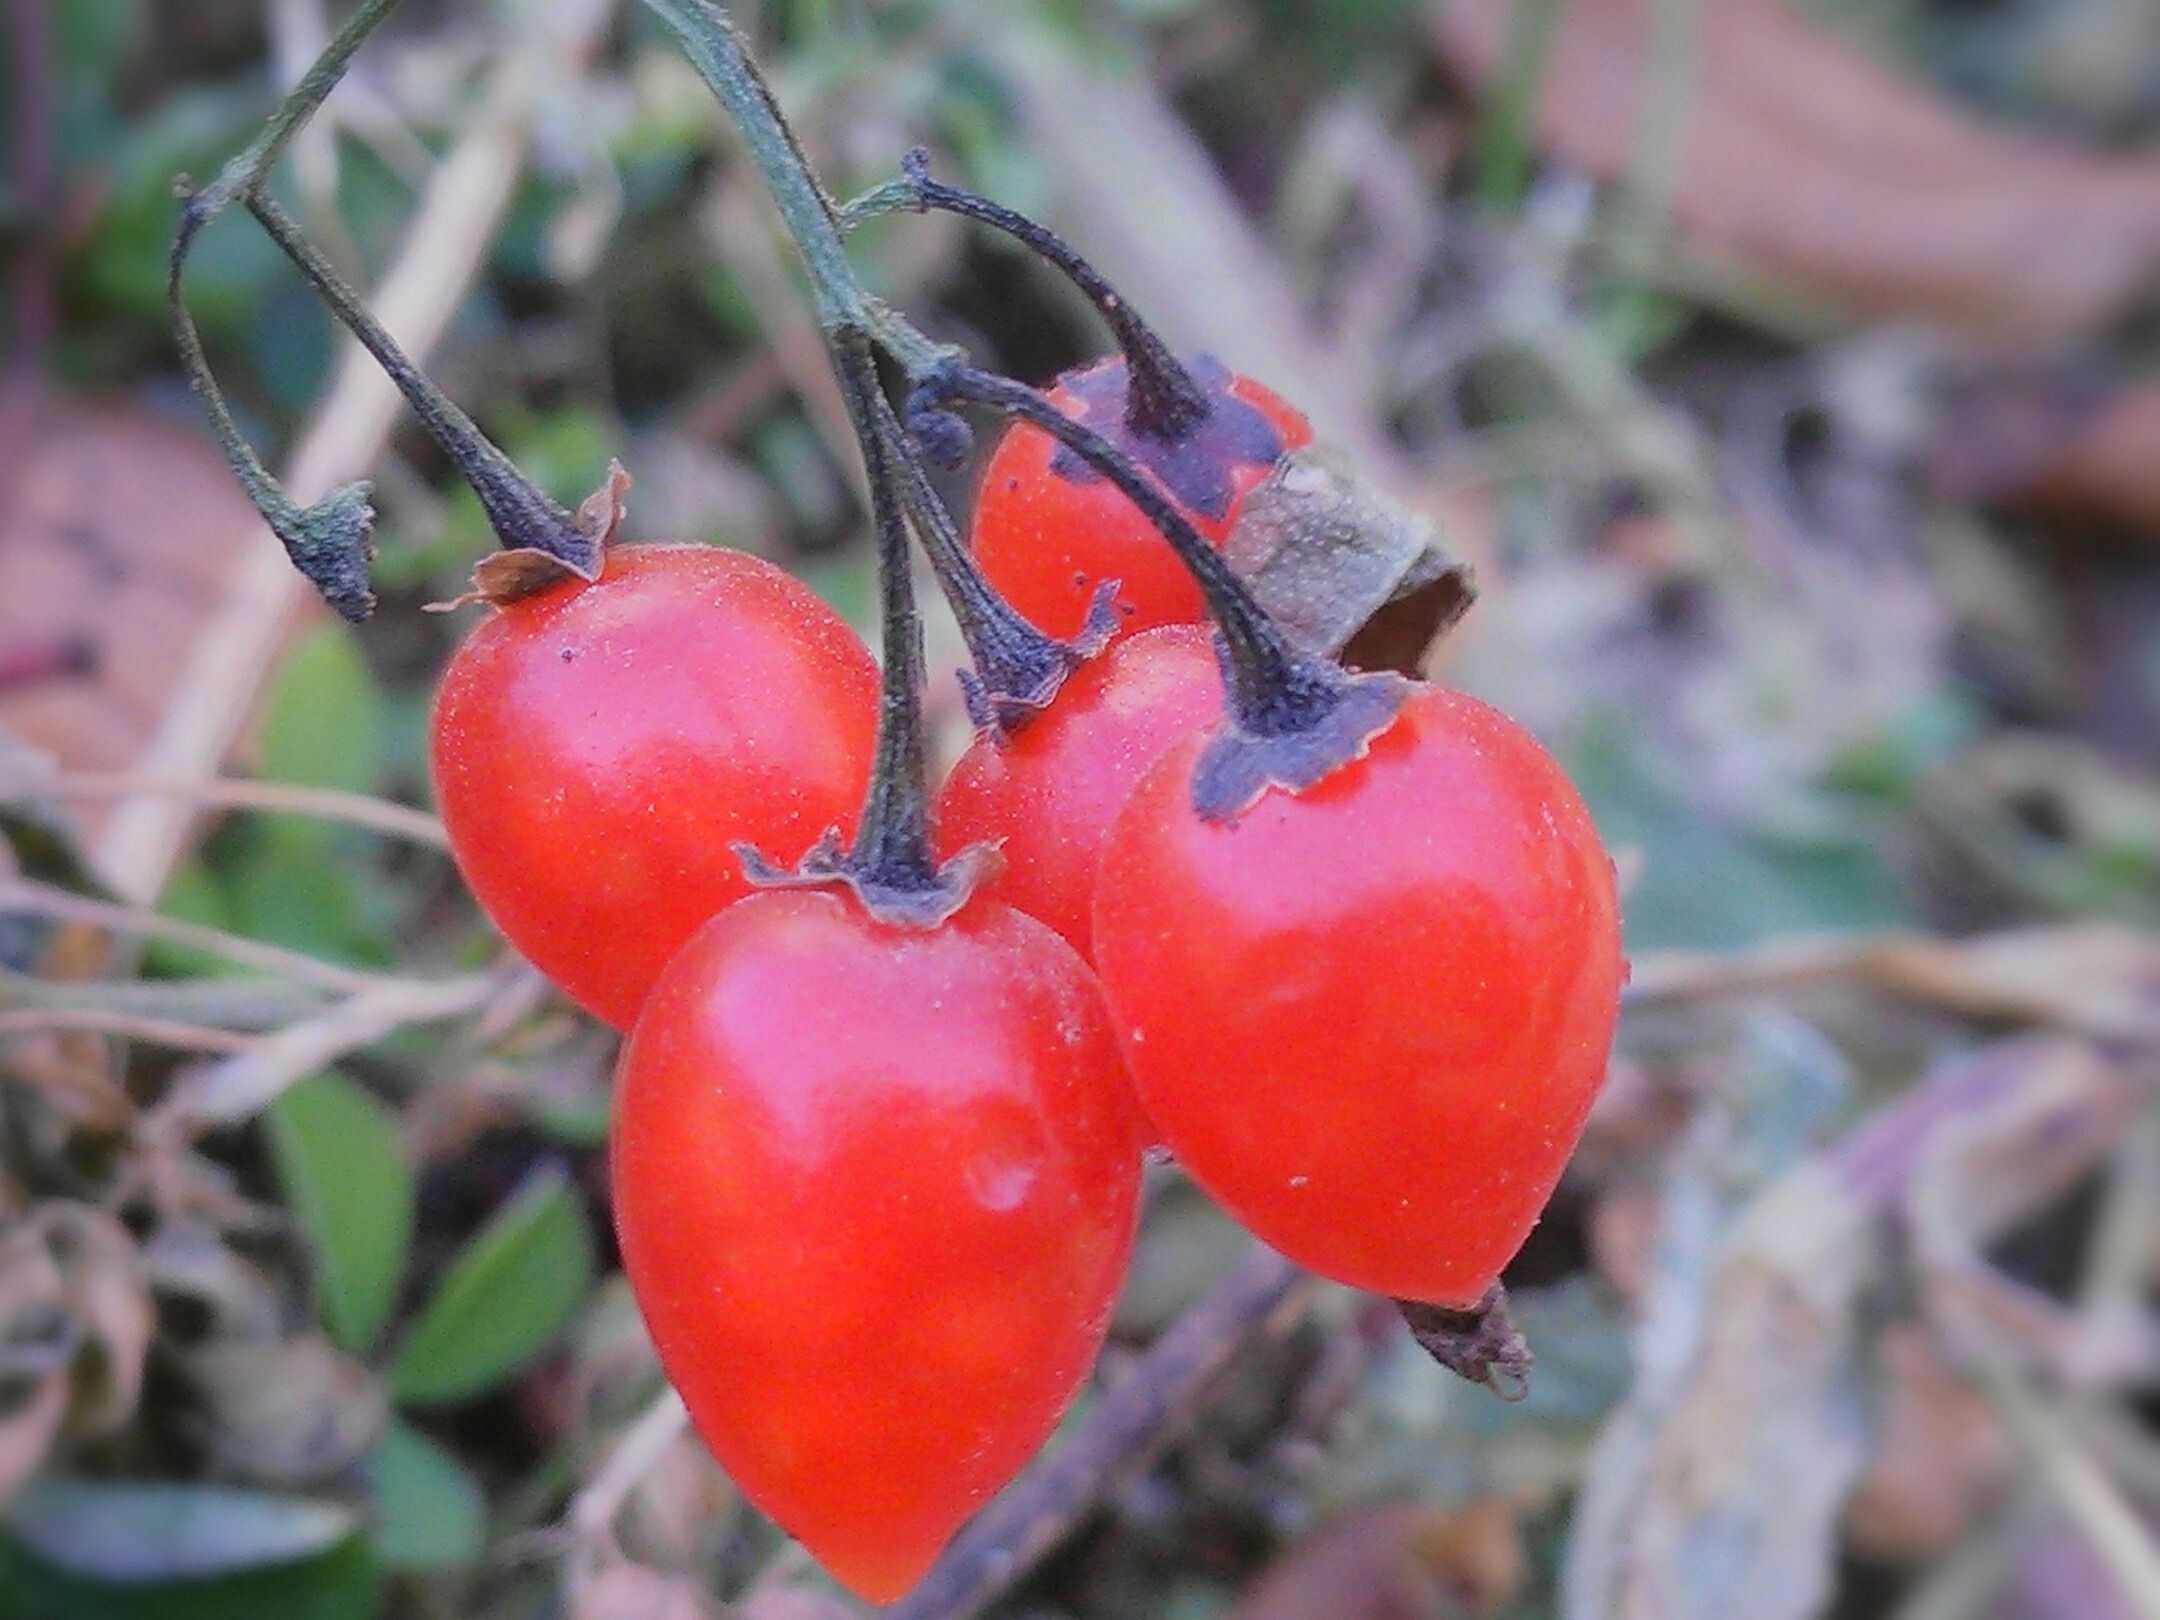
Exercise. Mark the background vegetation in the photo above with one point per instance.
(1782, 367)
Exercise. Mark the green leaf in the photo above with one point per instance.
(428, 1512)
(322, 724)
(344, 1174)
(292, 889)
(1709, 883)
(341, 1584)
(124, 1533)
(193, 894)
(505, 1295)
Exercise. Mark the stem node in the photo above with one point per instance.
(1293, 716)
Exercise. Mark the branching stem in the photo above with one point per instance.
(331, 541)
(1163, 399)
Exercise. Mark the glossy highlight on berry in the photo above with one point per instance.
(1371, 1017)
(1047, 795)
(597, 748)
(875, 1187)
(1048, 529)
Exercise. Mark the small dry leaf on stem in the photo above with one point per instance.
(1343, 567)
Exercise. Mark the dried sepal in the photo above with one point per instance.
(1481, 1344)
(1014, 683)
(922, 901)
(1338, 715)
(516, 572)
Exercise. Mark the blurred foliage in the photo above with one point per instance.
(358, 1355)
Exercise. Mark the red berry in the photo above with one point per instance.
(1050, 793)
(1048, 529)
(875, 1187)
(1370, 1017)
(597, 748)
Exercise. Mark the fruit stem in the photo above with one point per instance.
(331, 540)
(1018, 668)
(328, 541)
(1271, 683)
(1293, 716)
(522, 514)
(890, 866)
(892, 846)
(709, 38)
(1163, 400)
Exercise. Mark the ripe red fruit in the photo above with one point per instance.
(1369, 1017)
(875, 1187)
(598, 747)
(1049, 794)
(1048, 529)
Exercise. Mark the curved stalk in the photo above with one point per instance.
(1294, 716)
(1163, 399)
(332, 540)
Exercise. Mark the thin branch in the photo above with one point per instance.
(27, 1021)
(24, 894)
(1983, 976)
(594, 1509)
(2089, 1500)
(241, 793)
(449, 237)
(241, 1086)
(243, 1005)
(1128, 1426)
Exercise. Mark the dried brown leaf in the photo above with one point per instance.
(2044, 443)
(2000, 1163)
(37, 1340)
(632, 1592)
(1805, 162)
(1403, 1562)
(107, 1292)
(1341, 564)
(75, 1323)
(1718, 1487)
(1940, 1459)
(122, 531)
(285, 1413)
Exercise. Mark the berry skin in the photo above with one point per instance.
(1049, 794)
(1048, 529)
(597, 747)
(1370, 1017)
(875, 1188)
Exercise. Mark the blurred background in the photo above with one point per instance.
(1784, 367)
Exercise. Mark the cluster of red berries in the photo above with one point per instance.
(875, 1176)
(1344, 944)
